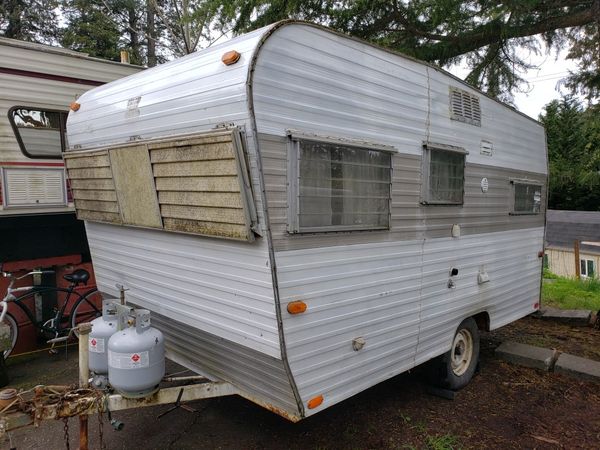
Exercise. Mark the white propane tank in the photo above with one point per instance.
(102, 329)
(136, 356)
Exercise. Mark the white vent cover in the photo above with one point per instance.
(31, 187)
(464, 107)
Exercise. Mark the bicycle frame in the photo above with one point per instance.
(60, 314)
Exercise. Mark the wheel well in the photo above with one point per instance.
(483, 321)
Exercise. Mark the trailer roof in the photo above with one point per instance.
(57, 50)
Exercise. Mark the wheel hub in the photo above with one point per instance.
(462, 352)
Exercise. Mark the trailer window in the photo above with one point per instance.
(443, 175)
(527, 197)
(338, 187)
(39, 132)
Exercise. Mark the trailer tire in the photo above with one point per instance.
(455, 368)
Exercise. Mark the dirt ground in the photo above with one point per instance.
(503, 407)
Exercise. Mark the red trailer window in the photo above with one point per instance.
(39, 132)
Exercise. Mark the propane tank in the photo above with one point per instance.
(136, 356)
(102, 329)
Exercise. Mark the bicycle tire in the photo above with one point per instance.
(92, 300)
(14, 333)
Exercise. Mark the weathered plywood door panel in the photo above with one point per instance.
(134, 183)
(93, 186)
(196, 184)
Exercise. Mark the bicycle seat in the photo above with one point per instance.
(79, 276)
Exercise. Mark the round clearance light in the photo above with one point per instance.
(230, 57)
(75, 106)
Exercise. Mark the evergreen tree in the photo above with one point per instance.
(90, 30)
(573, 137)
(29, 20)
(488, 36)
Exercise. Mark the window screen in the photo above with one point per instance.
(527, 198)
(444, 176)
(39, 132)
(340, 187)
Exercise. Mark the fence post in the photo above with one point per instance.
(577, 261)
(84, 376)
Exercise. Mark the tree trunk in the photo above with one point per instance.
(14, 29)
(151, 33)
(134, 40)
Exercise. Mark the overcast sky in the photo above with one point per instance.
(542, 82)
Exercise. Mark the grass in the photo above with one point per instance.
(445, 442)
(569, 293)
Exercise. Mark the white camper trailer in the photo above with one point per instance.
(307, 215)
(37, 84)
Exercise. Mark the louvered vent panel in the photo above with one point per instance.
(93, 187)
(464, 107)
(196, 184)
(31, 187)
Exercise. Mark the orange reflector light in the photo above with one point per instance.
(75, 106)
(314, 402)
(540, 253)
(536, 306)
(296, 307)
(231, 57)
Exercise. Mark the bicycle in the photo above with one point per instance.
(84, 308)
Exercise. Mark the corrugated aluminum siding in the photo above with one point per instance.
(395, 295)
(391, 287)
(222, 287)
(259, 376)
(214, 298)
(316, 81)
(481, 212)
(17, 90)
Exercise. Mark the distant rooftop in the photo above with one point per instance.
(564, 227)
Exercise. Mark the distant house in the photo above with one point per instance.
(563, 228)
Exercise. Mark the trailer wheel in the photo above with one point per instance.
(455, 368)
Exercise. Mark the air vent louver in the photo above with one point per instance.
(464, 107)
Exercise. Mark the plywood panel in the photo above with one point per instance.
(93, 187)
(134, 185)
(196, 184)
(196, 168)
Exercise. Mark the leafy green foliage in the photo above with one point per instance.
(489, 36)
(573, 136)
(568, 293)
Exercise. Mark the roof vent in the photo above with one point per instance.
(464, 107)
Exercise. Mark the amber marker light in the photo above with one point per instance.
(75, 106)
(314, 402)
(297, 307)
(231, 57)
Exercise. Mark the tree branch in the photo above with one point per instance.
(493, 31)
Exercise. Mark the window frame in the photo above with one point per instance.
(62, 130)
(428, 147)
(294, 139)
(585, 265)
(513, 192)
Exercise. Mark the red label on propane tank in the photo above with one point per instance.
(128, 360)
(96, 345)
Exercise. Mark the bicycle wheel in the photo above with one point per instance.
(13, 334)
(86, 309)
